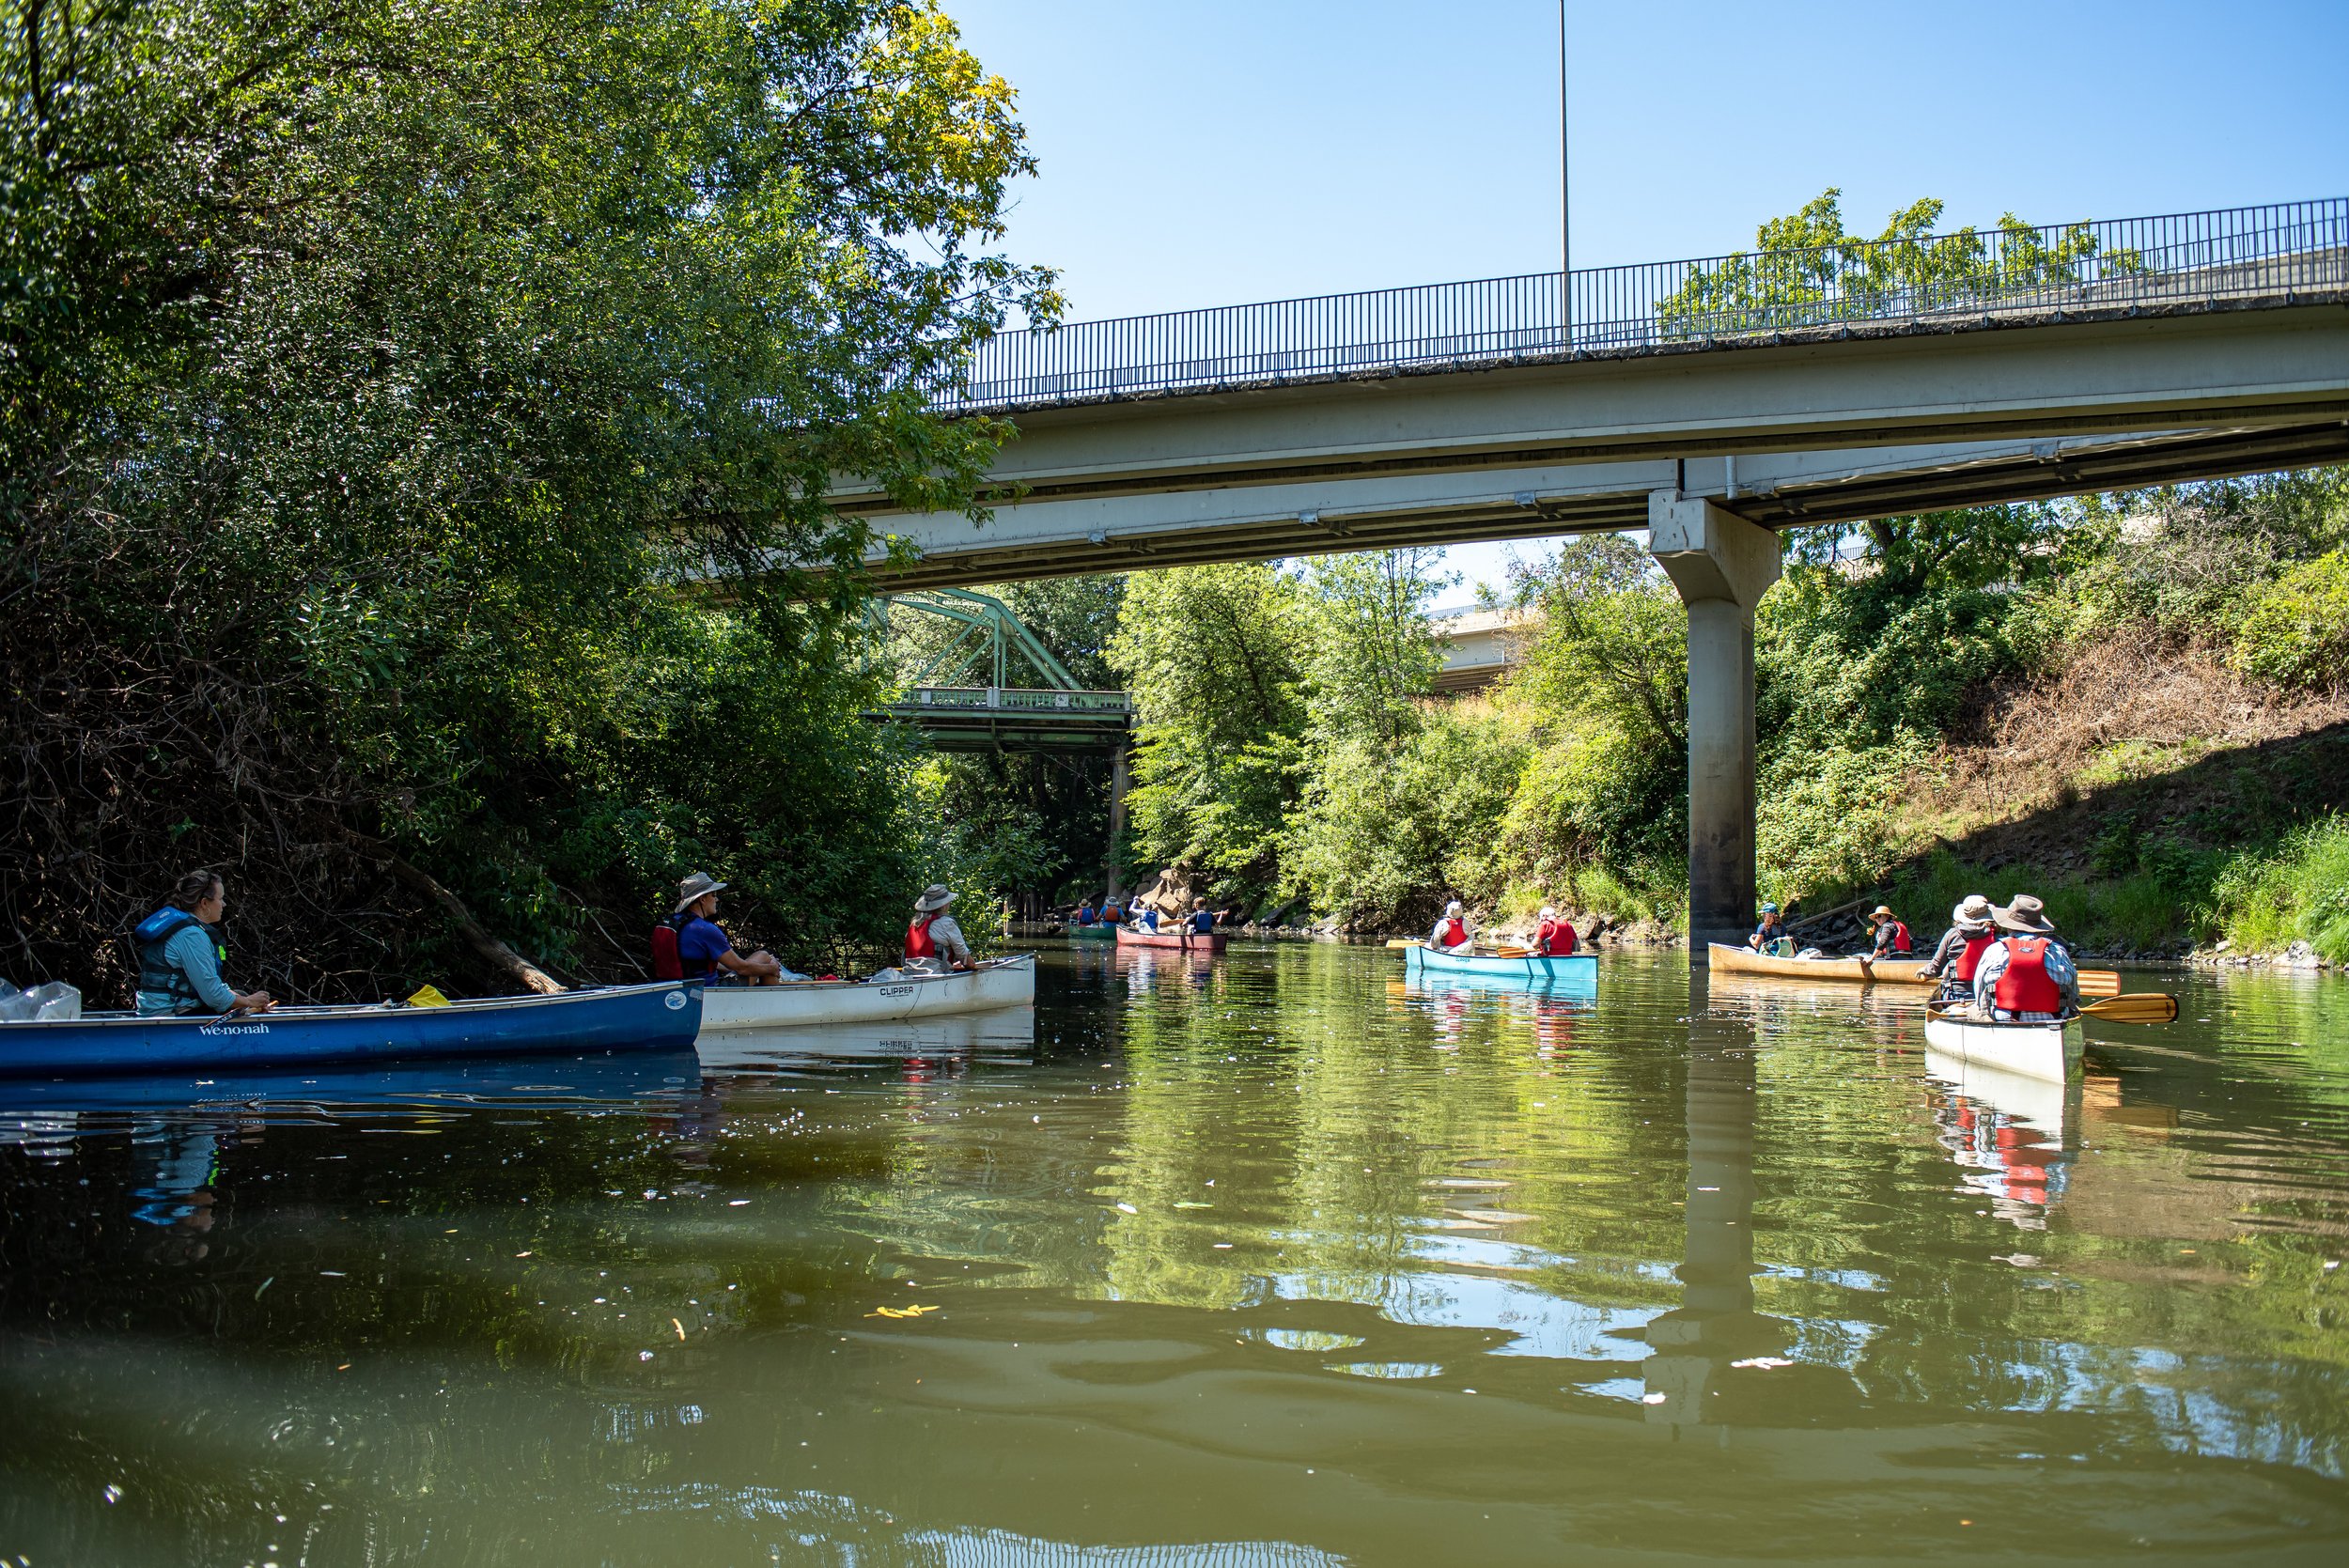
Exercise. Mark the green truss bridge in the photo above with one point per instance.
(964, 696)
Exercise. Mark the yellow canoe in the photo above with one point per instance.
(1859, 972)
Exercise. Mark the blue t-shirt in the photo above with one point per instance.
(698, 944)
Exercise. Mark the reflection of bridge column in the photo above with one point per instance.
(1715, 1323)
(1721, 563)
(1117, 813)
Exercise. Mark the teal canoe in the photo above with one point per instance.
(1580, 970)
(1097, 933)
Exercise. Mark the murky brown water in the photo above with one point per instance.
(1273, 1261)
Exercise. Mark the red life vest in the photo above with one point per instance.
(1970, 957)
(2025, 986)
(1557, 939)
(1455, 933)
(918, 943)
(665, 963)
(1901, 943)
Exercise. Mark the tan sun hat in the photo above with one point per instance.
(2024, 914)
(1973, 914)
(698, 885)
(936, 896)
(1882, 911)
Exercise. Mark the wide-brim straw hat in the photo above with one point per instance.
(698, 885)
(1881, 912)
(936, 896)
(2024, 914)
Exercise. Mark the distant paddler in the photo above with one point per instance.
(181, 950)
(1769, 937)
(1200, 920)
(703, 951)
(1892, 940)
(1146, 919)
(1555, 937)
(1086, 913)
(1453, 933)
(934, 943)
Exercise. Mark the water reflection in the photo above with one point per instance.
(1270, 1260)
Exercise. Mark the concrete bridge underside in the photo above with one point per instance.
(1711, 448)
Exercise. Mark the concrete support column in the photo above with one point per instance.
(1721, 563)
(1117, 814)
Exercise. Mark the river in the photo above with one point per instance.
(1271, 1261)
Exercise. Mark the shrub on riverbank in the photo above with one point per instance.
(2298, 894)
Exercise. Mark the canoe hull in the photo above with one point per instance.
(665, 1015)
(1580, 970)
(1002, 982)
(1888, 972)
(1093, 932)
(2046, 1051)
(1212, 943)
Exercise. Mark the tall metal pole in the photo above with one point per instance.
(1566, 202)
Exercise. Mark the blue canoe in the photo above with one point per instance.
(1579, 971)
(661, 1016)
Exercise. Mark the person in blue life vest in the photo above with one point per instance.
(181, 952)
(1771, 937)
(1200, 920)
(1453, 933)
(934, 943)
(1892, 940)
(1960, 950)
(1146, 919)
(1086, 914)
(703, 951)
(2027, 974)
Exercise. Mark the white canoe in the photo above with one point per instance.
(2047, 1051)
(997, 983)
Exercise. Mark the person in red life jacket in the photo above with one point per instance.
(1891, 937)
(1452, 933)
(1556, 938)
(2028, 974)
(1113, 912)
(933, 942)
(1959, 953)
(702, 952)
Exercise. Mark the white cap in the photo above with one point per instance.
(1548, 914)
(1456, 908)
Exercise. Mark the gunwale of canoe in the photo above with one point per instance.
(1890, 972)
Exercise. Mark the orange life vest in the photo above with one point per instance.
(1970, 959)
(918, 943)
(2025, 986)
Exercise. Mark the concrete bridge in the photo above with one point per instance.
(1710, 402)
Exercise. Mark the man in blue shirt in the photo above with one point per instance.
(1086, 915)
(702, 947)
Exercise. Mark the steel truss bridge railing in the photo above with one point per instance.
(2015, 273)
(995, 718)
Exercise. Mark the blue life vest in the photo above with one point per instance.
(1203, 920)
(158, 974)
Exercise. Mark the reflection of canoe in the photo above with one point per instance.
(1744, 960)
(646, 1078)
(1007, 1031)
(998, 983)
(1580, 969)
(664, 1015)
(1098, 932)
(1127, 937)
(2042, 1050)
(2041, 1102)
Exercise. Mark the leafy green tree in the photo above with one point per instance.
(1216, 659)
(377, 374)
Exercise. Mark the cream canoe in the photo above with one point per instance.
(2046, 1052)
(1860, 972)
(997, 983)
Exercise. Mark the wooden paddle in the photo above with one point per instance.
(1399, 942)
(2100, 983)
(2135, 1007)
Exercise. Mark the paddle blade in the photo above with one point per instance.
(2100, 983)
(2135, 1007)
(1397, 942)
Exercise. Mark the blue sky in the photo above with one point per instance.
(1216, 152)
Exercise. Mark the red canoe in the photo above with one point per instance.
(1212, 943)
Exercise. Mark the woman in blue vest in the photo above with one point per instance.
(181, 952)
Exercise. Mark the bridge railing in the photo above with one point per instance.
(2011, 272)
(946, 700)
